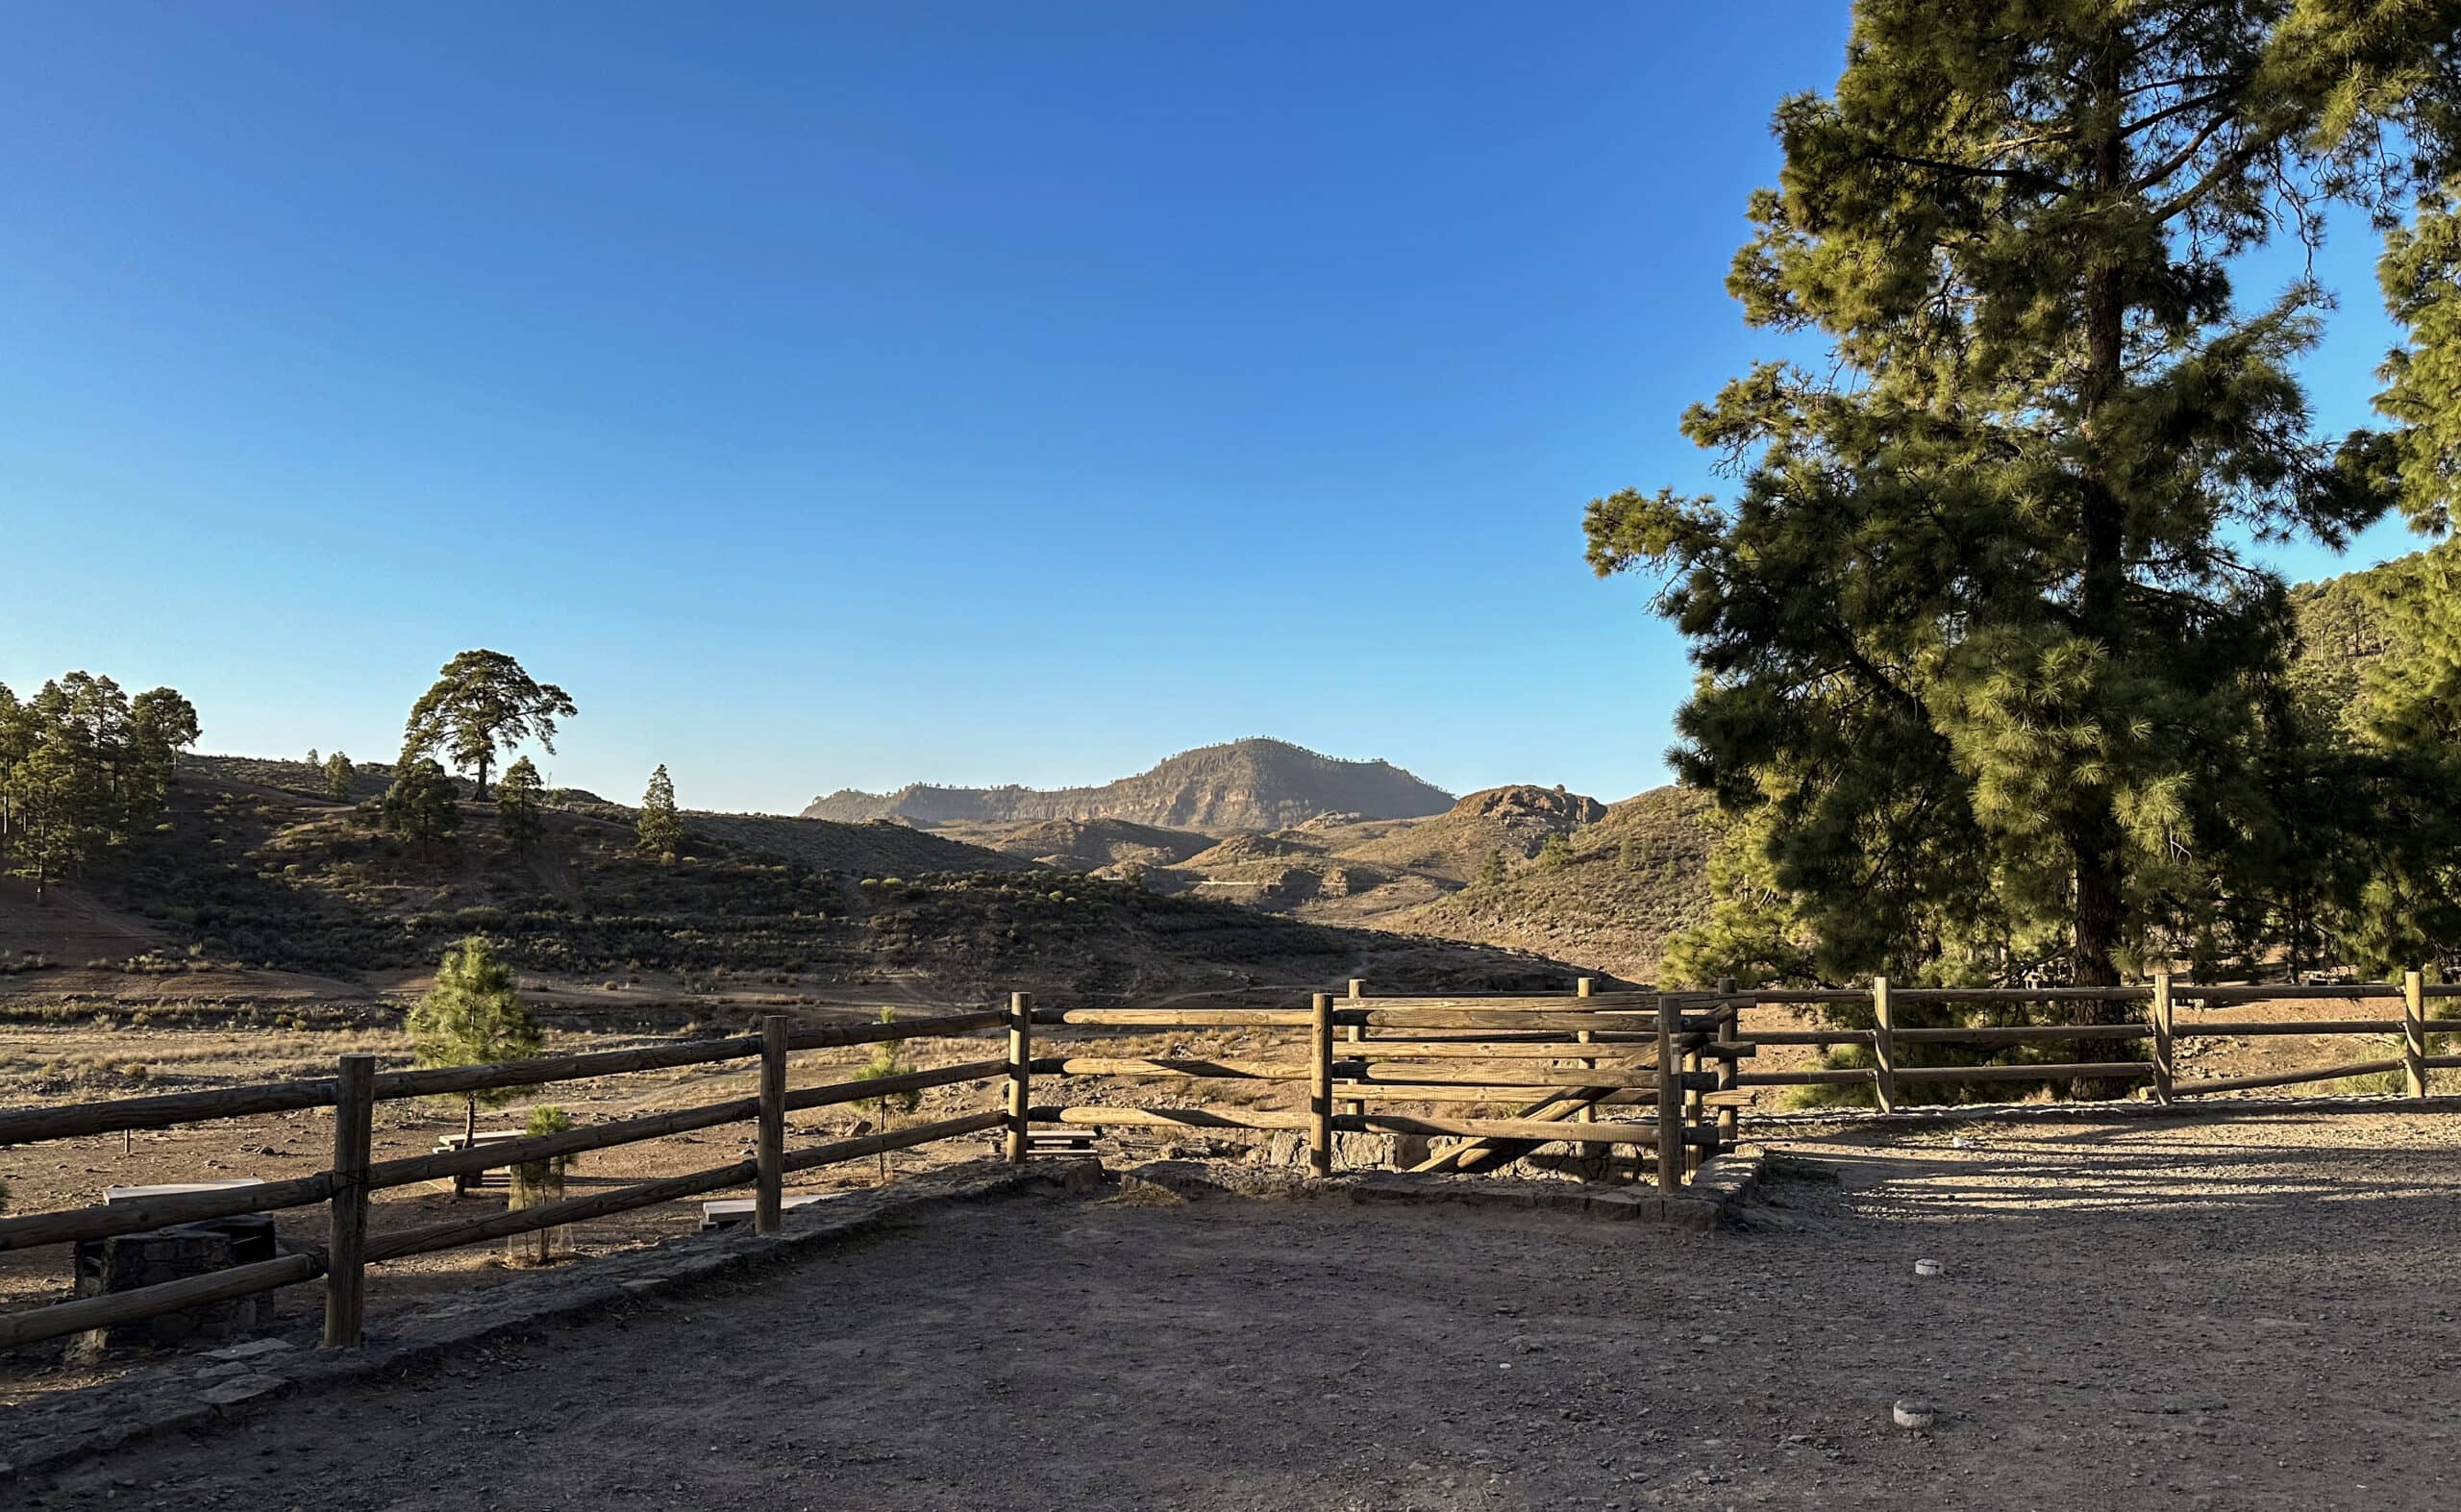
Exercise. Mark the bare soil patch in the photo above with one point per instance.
(2236, 1314)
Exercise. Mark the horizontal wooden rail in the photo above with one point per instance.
(1810, 1077)
(1384, 1050)
(1530, 1130)
(1473, 1092)
(863, 1090)
(395, 1244)
(2258, 1027)
(62, 1318)
(831, 1036)
(1169, 1117)
(504, 1153)
(500, 1075)
(104, 1220)
(1525, 1003)
(2288, 1078)
(1225, 1070)
(1819, 1037)
(1177, 1018)
(2264, 992)
(838, 1151)
(2021, 1035)
(2047, 1070)
(1533, 1019)
(1605, 1073)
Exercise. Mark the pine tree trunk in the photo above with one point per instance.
(2093, 833)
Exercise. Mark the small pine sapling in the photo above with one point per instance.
(888, 1060)
(536, 1183)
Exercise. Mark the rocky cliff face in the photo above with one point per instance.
(1246, 784)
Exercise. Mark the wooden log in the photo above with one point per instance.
(2257, 1029)
(111, 1309)
(1355, 1034)
(1529, 1130)
(2288, 1078)
(1216, 1070)
(2048, 1071)
(1883, 1045)
(837, 1036)
(2015, 1034)
(1702, 1025)
(1519, 1073)
(1621, 1097)
(426, 1238)
(2263, 991)
(839, 1151)
(25, 1124)
(2024, 994)
(1320, 1085)
(444, 1164)
(2414, 1033)
(1669, 1130)
(1814, 1077)
(1823, 1038)
(1641, 1003)
(2443, 1063)
(837, 1092)
(1172, 1117)
(1378, 1051)
(1729, 1113)
(1178, 1018)
(346, 1244)
(769, 1142)
(1021, 1073)
(454, 1080)
(1556, 1108)
(67, 1225)
(2165, 1024)
(1585, 987)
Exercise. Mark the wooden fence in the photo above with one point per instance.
(358, 1087)
(2153, 1020)
(1364, 1059)
(1567, 1057)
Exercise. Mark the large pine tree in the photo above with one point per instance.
(1980, 653)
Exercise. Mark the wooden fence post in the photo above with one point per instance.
(1670, 1098)
(1021, 1072)
(1582, 987)
(2414, 1033)
(2165, 1022)
(1883, 1045)
(1357, 1034)
(770, 1155)
(346, 1250)
(1730, 1029)
(1320, 1085)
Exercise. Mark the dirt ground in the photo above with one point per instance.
(2246, 1313)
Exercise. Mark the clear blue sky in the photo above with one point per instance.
(839, 395)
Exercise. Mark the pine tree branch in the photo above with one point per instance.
(2027, 177)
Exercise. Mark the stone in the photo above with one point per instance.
(251, 1350)
(241, 1388)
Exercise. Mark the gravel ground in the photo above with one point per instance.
(2250, 1313)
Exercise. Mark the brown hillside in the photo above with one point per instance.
(1246, 784)
(1083, 844)
(1634, 878)
(249, 883)
(1515, 820)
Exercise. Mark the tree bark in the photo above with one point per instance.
(2092, 830)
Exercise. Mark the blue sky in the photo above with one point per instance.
(844, 395)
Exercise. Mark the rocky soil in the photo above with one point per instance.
(2242, 1313)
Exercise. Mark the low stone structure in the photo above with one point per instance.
(125, 1262)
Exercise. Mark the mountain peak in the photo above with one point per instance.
(1256, 784)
